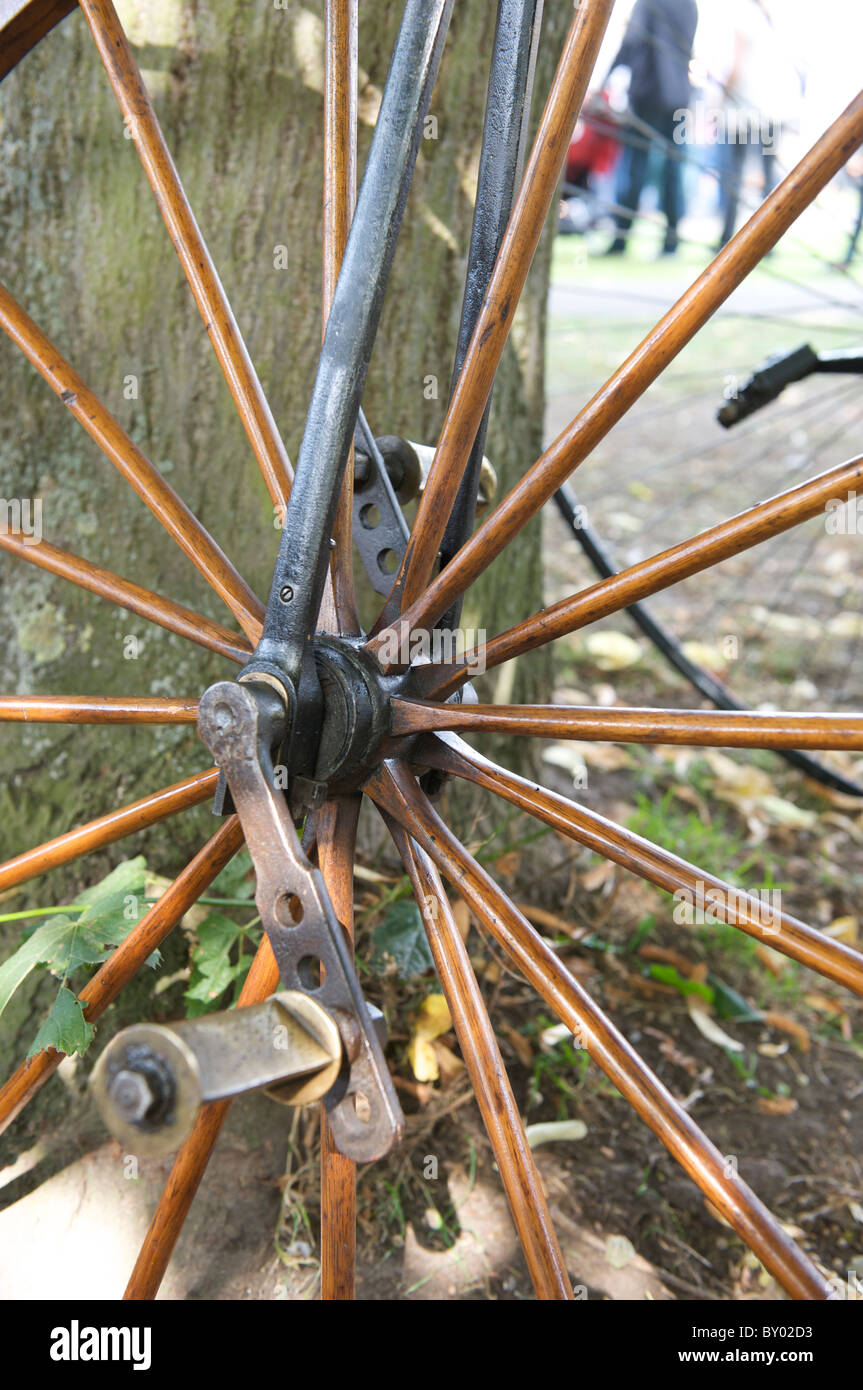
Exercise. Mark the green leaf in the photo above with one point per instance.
(236, 879)
(64, 943)
(401, 940)
(670, 975)
(65, 1029)
(730, 1004)
(212, 969)
(128, 878)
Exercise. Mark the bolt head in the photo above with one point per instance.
(286, 593)
(130, 1095)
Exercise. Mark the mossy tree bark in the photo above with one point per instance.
(238, 89)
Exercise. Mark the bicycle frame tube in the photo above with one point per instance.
(301, 566)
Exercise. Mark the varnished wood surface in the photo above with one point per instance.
(132, 597)
(194, 257)
(128, 820)
(661, 345)
(96, 709)
(496, 316)
(710, 728)
(692, 556)
(138, 471)
(476, 1038)
(25, 25)
(335, 826)
(396, 791)
(762, 920)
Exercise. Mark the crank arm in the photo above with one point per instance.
(236, 721)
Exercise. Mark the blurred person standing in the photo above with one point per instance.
(657, 49)
(761, 90)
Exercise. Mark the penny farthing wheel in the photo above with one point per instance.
(350, 714)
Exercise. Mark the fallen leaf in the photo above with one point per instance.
(612, 651)
(671, 1052)
(703, 654)
(773, 960)
(773, 1049)
(788, 1025)
(371, 875)
(450, 1065)
(822, 1004)
(640, 490)
(554, 1131)
(783, 812)
(663, 953)
(776, 1105)
(543, 918)
(843, 929)
(567, 756)
(550, 1037)
(597, 876)
(619, 1251)
(433, 1019)
(420, 1090)
(520, 1046)
(846, 625)
(699, 1012)
(461, 917)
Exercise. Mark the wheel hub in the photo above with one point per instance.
(356, 712)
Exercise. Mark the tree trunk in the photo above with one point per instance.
(238, 89)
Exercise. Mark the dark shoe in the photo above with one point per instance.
(617, 247)
(671, 243)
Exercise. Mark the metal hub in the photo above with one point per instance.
(356, 712)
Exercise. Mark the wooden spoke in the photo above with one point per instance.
(498, 311)
(335, 827)
(711, 728)
(650, 576)
(640, 369)
(128, 958)
(239, 372)
(173, 616)
(139, 472)
(128, 820)
(96, 709)
(762, 920)
(340, 191)
(497, 1105)
(395, 789)
(23, 24)
(194, 1155)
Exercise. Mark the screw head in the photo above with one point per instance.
(286, 593)
(130, 1095)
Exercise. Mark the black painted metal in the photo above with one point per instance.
(507, 112)
(718, 694)
(770, 379)
(389, 534)
(301, 566)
